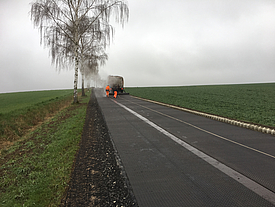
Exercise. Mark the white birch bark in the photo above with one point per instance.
(76, 53)
(76, 75)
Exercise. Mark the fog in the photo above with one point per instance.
(164, 43)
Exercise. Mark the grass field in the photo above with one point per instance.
(35, 170)
(253, 103)
(14, 101)
(21, 111)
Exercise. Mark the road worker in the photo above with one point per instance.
(107, 90)
(115, 89)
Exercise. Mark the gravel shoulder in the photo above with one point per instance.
(97, 178)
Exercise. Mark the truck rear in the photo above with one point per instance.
(116, 83)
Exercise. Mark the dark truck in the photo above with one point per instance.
(116, 82)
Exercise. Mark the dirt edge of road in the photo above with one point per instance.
(98, 177)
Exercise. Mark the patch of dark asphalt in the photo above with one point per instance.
(98, 178)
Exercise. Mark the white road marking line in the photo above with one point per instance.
(208, 132)
(247, 182)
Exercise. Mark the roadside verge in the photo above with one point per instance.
(97, 179)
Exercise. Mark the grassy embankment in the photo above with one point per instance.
(21, 111)
(253, 103)
(35, 170)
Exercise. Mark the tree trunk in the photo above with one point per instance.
(83, 91)
(82, 69)
(76, 56)
(76, 78)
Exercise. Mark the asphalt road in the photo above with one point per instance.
(175, 158)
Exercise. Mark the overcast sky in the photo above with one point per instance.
(176, 42)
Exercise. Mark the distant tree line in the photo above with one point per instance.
(77, 32)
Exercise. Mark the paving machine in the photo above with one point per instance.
(116, 83)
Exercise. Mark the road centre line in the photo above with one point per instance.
(247, 182)
(208, 132)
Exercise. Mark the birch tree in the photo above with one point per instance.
(60, 22)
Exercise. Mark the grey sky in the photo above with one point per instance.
(177, 42)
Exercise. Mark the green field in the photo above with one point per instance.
(14, 101)
(20, 111)
(36, 170)
(253, 103)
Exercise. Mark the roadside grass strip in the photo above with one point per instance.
(36, 170)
